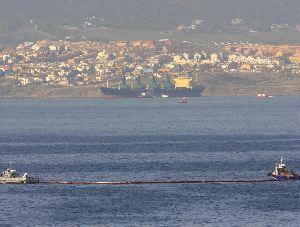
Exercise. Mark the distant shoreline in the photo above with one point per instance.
(126, 98)
(216, 84)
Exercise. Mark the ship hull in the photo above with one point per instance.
(19, 180)
(119, 93)
(196, 92)
(128, 93)
(282, 178)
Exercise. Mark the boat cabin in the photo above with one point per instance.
(10, 173)
(281, 169)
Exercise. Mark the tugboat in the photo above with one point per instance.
(11, 176)
(283, 173)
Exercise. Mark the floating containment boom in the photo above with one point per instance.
(158, 182)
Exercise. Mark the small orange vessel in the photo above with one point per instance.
(182, 100)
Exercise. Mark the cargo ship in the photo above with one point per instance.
(182, 87)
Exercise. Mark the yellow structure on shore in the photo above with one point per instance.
(183, 82)
(295, 58)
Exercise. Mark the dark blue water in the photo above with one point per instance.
(150, 139)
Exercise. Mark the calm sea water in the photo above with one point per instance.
(150, 139)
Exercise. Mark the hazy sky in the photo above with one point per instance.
(145, 12)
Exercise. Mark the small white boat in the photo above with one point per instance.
(263, 95)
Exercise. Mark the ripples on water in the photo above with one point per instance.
(112, 140)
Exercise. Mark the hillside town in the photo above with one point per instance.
(70, 63)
